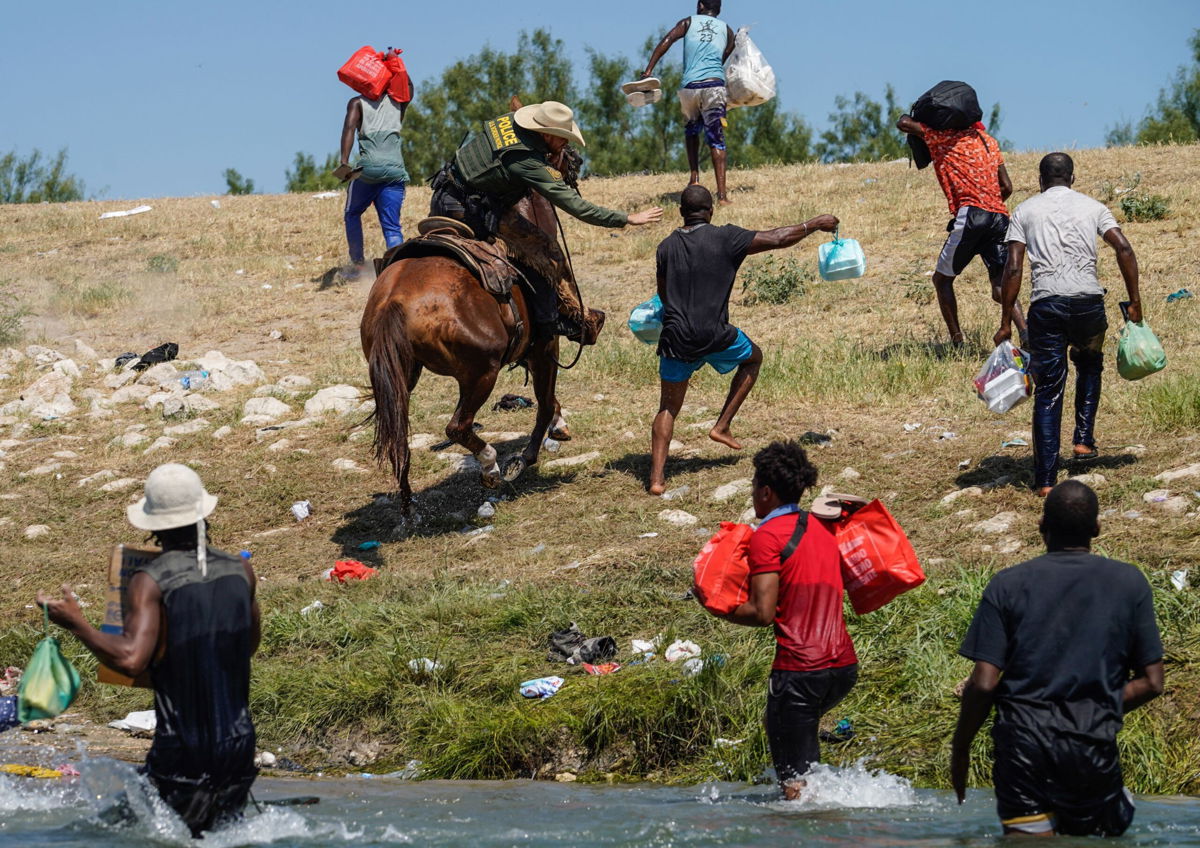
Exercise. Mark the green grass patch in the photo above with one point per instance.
(89, 300)
(1172, 402)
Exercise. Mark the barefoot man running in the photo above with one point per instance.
(697, 265)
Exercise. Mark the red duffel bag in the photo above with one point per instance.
(878, 562)
(398, 87)
(366, 73)
(722, 569)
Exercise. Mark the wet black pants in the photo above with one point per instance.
(796, 700)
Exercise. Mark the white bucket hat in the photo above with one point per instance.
(175, 497)
(551, 118)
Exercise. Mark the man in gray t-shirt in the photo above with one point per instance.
(1058, 228)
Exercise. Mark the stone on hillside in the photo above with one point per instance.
(131, 394)
(267, 407)
(222, 432)
(161, 443)
(366, 407)
(732, 489)
(36, 531)
(119, 485)
(239, 372)
(1092, 479)
(294, 383)
(162, 374)
(106, 474)
(1184, 473)
(57, 407)
(849, 474)
(172, 406)
(281, 445)
(194, 403)
(85, 352)
(130, 440)
(348, 465)
(748, 516)
(43, 470)
(572, 461)
(48, 385)
(159, 399)
(999, 523)
(970, 491)
(65, 454)
(1168, 503)
(678, 517)
(340, 399)
(67, 367)
(43, 357)
(188, 428)
(675, 446)
(10, 357)
(119, 379)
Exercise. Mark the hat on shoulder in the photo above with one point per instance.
(175, 497)
(551, 118)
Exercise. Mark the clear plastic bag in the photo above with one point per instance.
(749, 80)
(645, 321)
(841, 259)
(1139, 352)
(1003, 382)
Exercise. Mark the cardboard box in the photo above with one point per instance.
(124, 561)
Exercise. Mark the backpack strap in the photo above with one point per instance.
(797, 535)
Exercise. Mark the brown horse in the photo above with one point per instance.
(430, 312)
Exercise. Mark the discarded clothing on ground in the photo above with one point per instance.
(163, 353)
(542, 687)
(511, 402)
(571, 646)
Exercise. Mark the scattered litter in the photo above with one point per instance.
(1179, 579)
(550, 445)
(267, 286)
(10, 681)
(722, 742)
(1179, 295)
(325, 195)
(368, 546)
(1015, 443)
(302, 509)
(1131, 514)
(511, 402)
(947, 434)
(537, 549)
(644, 646)
(693, 667)
(142, 721)
(814, 438)
(676, 493)
(681, 649)
(265, 759)
(137, 210)
(843, 731)
(916, 425)
(193, 380)
(67, 770)
(542, 687)
(486, 510)
(313, 607)
(648, 536)
(424, 665)
(350, 569)
(216, 204)
(124, 359)
(599, 669)
(964, 465)
(165, 352)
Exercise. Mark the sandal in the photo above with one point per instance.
(1092, 453)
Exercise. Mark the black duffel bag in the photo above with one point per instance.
(949, 105)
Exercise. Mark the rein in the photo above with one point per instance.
(574, 285)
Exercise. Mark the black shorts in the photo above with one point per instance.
(974, 232)
(796, 700)
(1070, 783)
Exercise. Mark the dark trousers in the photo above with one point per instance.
(1057, 324)
(796, 700)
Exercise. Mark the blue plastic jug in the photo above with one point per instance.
(645, 321)
(841, 259)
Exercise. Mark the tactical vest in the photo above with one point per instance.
(479, 160)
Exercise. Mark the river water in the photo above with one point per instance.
(851, 806)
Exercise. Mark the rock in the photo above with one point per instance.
(731, 489)
(194, 403)
(106, 474)
(999, 523)
(1092, 480)
(267, 407)
(1008, 546)
(65, 454)
(84, 352)
(10, 357)
(160, 443)
(422, 441)
(186, 429)
(43, 470)
(849, 474)
(119, 485)
(121, 378)
(1133, 450)
(241, 373)
(1164, 500)
(36, 531)
(129, 440)
(565, 777)
(1184, 473)
(571, 461)
(703, 425)
(162, 374)
(675, 446)
(161, 397)
(340, 399)
(970, 491)
(294, 383)
(218, 381)
(348, 465)
(67, 367)
(173, 406)
(221, 432)
(43, 357)
(131, 394)
(678, 517)
(281, 445)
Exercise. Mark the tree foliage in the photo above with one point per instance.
(1175, 117)
(863, 130)
(34, 179)
(235, 183)
(305, 176)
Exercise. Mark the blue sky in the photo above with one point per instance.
(158, 98)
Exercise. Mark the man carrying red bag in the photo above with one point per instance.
(796, 586)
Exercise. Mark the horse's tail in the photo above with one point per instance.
(390, 363)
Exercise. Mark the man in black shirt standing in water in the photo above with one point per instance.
(191, 618)
(696, 267)
(1064, 646)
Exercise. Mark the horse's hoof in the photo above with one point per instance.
(560, 434)
(490, 481)
(513, 468)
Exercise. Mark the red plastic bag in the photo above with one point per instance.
(878, 562)
(350, 569)
(722, 569)
(366, 73)
(398, 87)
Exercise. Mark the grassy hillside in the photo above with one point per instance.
(860, 360)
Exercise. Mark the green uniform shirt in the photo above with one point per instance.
(505, 160)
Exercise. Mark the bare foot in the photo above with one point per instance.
(657, 488)
(724, 437)
(725, 201)
(1043, 491)
(695, 180)
(793, 788)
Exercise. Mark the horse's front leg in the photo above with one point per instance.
(473, 392)
(544, 373)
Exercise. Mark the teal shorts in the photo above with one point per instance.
(723, 361)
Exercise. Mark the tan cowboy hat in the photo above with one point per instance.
(175, 497)
(551, 118)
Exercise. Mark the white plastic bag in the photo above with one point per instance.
(749, 80)
(1003, 382)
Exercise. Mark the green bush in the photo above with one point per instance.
(12, 311)
(1141, 206)
(162, 264)
(775, 281)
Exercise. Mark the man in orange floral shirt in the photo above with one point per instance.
(971, 172)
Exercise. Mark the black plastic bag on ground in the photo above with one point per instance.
(949, 105)
(165, 352)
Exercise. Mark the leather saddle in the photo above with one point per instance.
(487, 261)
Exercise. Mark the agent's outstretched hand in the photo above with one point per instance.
(650, 216)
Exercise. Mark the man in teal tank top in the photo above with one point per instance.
(707, 43)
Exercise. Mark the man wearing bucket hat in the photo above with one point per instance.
(494, 169)
(191, 620)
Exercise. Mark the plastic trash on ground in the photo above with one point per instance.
(142, 721)
(1003, 382)
(681, 649)
(302, 509)
(693, 667)
(841, 259)
(350, 569)
(749, 80)
(124, 213)
(424, 665)
(1139, 352)
(542, 687)
(645, 321)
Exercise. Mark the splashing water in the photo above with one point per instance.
(854, 787)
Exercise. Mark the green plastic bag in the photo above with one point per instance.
(1139, 352)
(49, 683)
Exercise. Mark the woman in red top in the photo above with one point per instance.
(796, 586)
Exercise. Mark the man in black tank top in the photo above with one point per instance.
(191, 620)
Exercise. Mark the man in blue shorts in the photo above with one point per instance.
(696, 267)
(707, 44)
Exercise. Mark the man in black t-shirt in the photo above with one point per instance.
(697, 265)
(1064, 646)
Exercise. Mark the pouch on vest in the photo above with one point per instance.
(49, 683)
(1139, 352)
(722, 569)
(878, 562)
